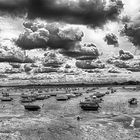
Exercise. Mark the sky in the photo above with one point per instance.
(12, 26)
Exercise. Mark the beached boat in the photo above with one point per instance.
(61, 97)
(5, 94)
(42, 97)
(32, 107)
(99, 95)
(90, 104)
(6, 99)
(77, 94)
(71, 95)
(53, 94)
(132, 101)
(24, 95)
(27, 100)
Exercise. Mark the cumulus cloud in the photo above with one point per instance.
(88, 64)
(125, 55)
(91, 12)
(33, 40)
(49, 35)
(53, 59)
(82, 52)
(111, 39)
(10, 53)
(54, 36)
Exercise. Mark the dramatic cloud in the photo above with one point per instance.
(132, 31)
(87, 12)
(49, 35)
(111, 39)
(83, 52)
(88, 64)
(53, 59)
(32, 40)
(125, 55)
(55, 36)
(10, 53)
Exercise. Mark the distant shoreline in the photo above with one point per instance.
(82, 84)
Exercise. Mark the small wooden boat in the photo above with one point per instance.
(107, 92)
(90, 103)
(89, 106)
(62, 98)
(98, 94)
(5, 94)
(32, 107)
(40, 97)
(27, 100)
(53, 94)
(24, 95)
(6, 99)
(71, 95)
(133, 101)
(77, 94)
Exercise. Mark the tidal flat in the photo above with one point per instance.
(57, 120)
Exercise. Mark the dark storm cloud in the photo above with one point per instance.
(111, 39)
(91, 12)
(132, 32)
(13, 7)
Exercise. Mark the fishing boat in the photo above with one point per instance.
(6, 99)
(27, 100)
(132, 101)
(90, 104)
(99, 95)
(62, 97)
(77, 94)
(31, 107)
(71, 95)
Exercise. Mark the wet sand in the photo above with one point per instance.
(57, 119)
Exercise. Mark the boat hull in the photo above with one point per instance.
(90, 108)
(32, 107)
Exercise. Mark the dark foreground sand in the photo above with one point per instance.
(57, 120)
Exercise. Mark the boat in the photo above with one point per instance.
(32, 107)
(53, 94)
(42, 97)
(71, 95)
(5, 94)
(27, 100)
(24, 95)
(6, 99)
(133, 101)
(99, 95)
(62, 97)
(77, 94)
(90, 104)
